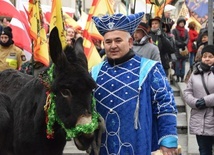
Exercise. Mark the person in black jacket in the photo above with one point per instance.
(181, 40)
(160, 39)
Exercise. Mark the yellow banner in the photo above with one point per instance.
(91, 31)
(37, 32)
(57, 20)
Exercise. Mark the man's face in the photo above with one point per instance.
(155, 24)
(4, 38)
(117, 43)
(138, 35)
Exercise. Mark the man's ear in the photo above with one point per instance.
(130, 42)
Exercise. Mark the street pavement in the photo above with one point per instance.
(71, 149)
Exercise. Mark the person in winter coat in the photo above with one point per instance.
(142, 45)
(181, 40)
(199, 96)
(11, 56)
(167, 29)
(160, 39)
(203, 42)
(193, 35)
(201, 31)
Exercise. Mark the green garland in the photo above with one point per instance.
(53, 117)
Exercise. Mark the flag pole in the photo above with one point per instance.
(163, 15)
(210, 22)
(32, 58)
(150, 13)
(134, 6)
(127, 7)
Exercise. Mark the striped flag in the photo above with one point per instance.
(24, 13)
(37, 32)
(70, 22)
(57, 20)
(7, 9)
(91, 31)
(21, 37)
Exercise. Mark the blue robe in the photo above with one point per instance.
(133, 130)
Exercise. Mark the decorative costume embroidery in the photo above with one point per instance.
(123, 97)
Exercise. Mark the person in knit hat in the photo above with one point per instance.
(208, 49)
(181, 40)
(11, 56)
(199, 95)
(142, 43)
(133, 94)
(203, 43)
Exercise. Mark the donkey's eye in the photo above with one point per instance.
(65, 92)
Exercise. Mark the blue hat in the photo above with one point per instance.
(118, 22)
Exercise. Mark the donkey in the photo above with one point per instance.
(5, 123)
(67, 85)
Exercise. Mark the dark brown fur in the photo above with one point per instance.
(72, 86)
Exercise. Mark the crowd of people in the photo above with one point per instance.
(155, 39)
(133, 93)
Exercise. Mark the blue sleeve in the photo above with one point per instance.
(169, 142)
(164, 108)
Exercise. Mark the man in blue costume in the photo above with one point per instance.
(133, 94)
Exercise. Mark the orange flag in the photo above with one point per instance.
(159, 9)
(159, 6)
(37, 32)
(57, 20)
(91, 31)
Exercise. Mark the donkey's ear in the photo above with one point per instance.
(55, 46)
(79, 45)
(79, 50)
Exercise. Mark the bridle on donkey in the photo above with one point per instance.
(52, 117)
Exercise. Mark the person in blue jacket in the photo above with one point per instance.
(132, 95)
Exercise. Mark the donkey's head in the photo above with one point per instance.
(72, 83)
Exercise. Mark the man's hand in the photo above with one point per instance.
(168, 151)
